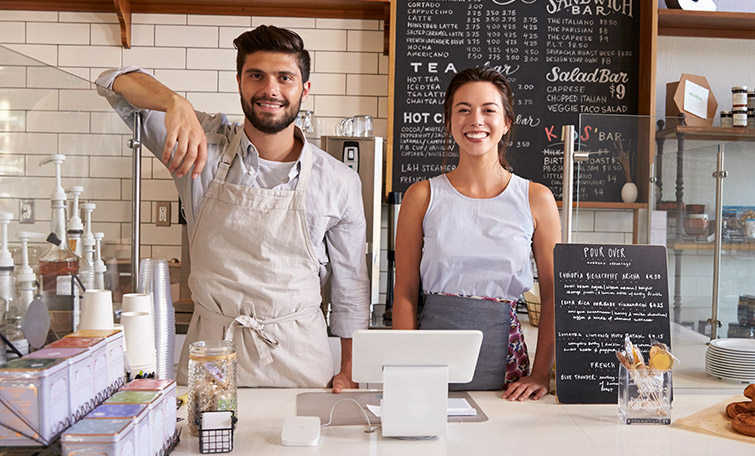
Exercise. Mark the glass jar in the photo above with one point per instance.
(751, 99)
(739, 96)
(212, 379)
(726, 119)
(739, 117)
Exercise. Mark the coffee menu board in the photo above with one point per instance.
(603, 293)
(561, 57)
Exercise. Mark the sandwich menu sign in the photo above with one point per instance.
(562, 58)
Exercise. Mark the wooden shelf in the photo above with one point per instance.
(709, 246)
(604, 205)
(707, 24)
(709, 133)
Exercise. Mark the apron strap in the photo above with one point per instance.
(263, 339)
(229, 153)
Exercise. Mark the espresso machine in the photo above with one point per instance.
(365, 156)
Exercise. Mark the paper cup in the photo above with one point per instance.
(140, 340)
(97, 310)
(137, 302)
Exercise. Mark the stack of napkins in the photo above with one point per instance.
(457, 406)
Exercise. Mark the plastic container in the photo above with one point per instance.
(114, 349)
(138, 413)
(167, 388)
(100, 438)
(37, 390)
(644, 396)
(80, 381)
(212, 380)
(98, 349)
(153, 401)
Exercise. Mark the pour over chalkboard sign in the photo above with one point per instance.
(562, 58)
(602, 293)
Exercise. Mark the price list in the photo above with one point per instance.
(562, 59)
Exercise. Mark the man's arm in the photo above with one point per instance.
(183, 130)
(343, 380)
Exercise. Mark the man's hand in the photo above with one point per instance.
(526, 387)
(185, 134)
(343, 381)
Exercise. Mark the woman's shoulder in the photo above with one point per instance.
(417, 192)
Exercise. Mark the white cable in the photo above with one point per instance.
(369, 430)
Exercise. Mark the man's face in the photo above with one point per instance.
(272, 90)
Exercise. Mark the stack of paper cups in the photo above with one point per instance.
(140, 341)
(154, 279)
(97, 310)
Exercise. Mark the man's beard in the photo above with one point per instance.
(270, 125)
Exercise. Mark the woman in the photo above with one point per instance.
(466, 237)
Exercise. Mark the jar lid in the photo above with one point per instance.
(739, 88)
(725, 113)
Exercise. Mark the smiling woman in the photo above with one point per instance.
(466, 237)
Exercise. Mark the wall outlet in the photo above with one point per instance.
(163, 213)
(26, 212)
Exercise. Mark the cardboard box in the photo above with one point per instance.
(675, 103)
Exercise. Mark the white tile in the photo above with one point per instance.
(12, 77)
(367, 84)
(189, 80)
(87, 18)
(365, 41)
(380, 127)
(73, 167)
(111, 211)
(228, 34)
(347, 24)
(155, 57)
(196, 19)
(345, 62)
(328, 84)
(384, 64)
(383, 107)
(227, 103)
(161, 235)
(167, 252)
(30, 99)
(28, 143)
(614, 221)
(141, 18)
(285, 22)
(44, 53)
(159, 190)
(112, 231)
(120, 167)
(88, 56)
(24, 16)
(146, 167)
(227, 82)
(81, 73)
(327, 105)
(107, 34)
(159, 170)
(54, 78)
(323, 40)
(13, 32)
(47, 33)
(186, 36)
(23, 187)
(13, 120)
(99, 189)
(309, 104)
(145, 213)
(12, 165)
(108, 122)
(57, 122)
(91, 144)
(142, 35)
(211, 59)
(83, 100)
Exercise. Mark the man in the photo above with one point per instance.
(270, 216)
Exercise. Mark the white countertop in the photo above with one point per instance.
(533, 427)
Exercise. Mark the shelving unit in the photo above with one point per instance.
(706, 24)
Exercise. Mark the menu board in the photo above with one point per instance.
(603, 293)
(562, 58)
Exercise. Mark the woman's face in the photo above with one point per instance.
(478, 121)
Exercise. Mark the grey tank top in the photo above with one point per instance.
(477, 247)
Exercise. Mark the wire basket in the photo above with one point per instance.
(217, 440)
(533, 311)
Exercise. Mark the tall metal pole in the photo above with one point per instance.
(136, 199)
(720, 174)
(567, 134)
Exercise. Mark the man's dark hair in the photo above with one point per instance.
(272, 39)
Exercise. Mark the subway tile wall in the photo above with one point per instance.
(43, 113)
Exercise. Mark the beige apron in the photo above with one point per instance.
(255, 280)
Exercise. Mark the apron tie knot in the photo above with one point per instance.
(263, 340)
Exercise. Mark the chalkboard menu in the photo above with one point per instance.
(561, 57)
(602, 293)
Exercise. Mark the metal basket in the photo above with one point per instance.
(218, 440)
(533, 311)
